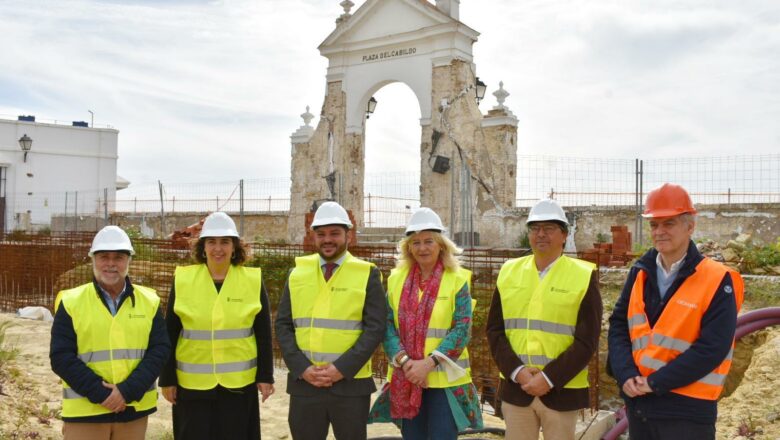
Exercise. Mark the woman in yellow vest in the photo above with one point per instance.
(429, 393)
(219, 323)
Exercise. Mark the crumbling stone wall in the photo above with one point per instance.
(719, 223)
(455, 132)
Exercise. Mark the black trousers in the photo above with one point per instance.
(642, 428)
(217, 414)
(310, 416)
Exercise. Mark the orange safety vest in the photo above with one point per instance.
(680, 325)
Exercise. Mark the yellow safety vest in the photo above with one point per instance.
(217, 344)
(439, 324)
(111, 346)
(328, 316)
(540, 316)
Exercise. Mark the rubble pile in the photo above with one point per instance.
(735, 255)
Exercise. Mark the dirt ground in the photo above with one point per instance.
(30, 394)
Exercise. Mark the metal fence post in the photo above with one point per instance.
(241, 206)
(105, 205)
(65, 220)
(370, 223)
(76, 213)
(162, 209)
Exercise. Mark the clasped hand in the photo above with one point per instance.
(636, 386)
(323, 376)
(416, 371)
(115, 402)
(532, 381)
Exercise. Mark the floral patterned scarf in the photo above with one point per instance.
(413, 318)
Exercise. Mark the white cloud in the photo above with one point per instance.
(216, 87)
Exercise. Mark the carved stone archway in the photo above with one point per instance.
(426, 47)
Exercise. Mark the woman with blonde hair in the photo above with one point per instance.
(429, 392)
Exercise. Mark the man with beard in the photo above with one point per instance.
(330, 319)
(108, 344)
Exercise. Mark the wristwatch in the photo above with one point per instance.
(436, 361)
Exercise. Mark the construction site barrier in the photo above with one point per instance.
(746, 324)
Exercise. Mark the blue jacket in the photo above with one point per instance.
(63, 355)
(717, 332)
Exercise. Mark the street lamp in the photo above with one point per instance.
(25, 142)
(371, 107)
(480, 89)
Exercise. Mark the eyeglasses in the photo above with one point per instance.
(548, 229)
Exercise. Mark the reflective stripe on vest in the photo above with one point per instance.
(217, 344)
(540, 316)
(111, 346)
(68, 393)
(439, 323)
(328, 315)
(679, 325)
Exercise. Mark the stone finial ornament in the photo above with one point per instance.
(304, 132)
(347, 5)
(501, 96)
(307, 117)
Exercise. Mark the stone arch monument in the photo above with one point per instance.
(468, 160)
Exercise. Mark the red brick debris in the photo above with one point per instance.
(614, 254)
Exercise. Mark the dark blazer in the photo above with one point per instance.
(563, 368)
(374, 315)
(63, 354)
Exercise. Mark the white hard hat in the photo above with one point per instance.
(547, 210)
(331, 213)
(424, 219)
(219, 224)
(111, 239)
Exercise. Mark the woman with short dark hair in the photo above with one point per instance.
(219, 323)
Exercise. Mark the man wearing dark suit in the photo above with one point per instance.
(330, 319)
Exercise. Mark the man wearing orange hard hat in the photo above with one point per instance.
(671, 333)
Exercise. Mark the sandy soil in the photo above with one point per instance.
(30, 394)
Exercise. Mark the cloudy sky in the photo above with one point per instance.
(216, 87)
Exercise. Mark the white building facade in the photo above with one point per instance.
(69, 170)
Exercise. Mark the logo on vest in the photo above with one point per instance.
(135, 316)
(235, 300)
(442, 298)
(557, 290)
(338, 289)
(687, 304)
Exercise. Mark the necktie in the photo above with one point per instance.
(329, 268)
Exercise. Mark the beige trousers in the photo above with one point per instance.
(135, 430)
(523, 422)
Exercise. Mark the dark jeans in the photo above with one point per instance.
(434, 421)
(642, 428)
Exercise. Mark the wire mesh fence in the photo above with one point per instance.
(391, 197)
(35, 268)
(621, 182)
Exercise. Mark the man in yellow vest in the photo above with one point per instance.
(331, 317)
(108, 345)
(543, 328)
(671, 334)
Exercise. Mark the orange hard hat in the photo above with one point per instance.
(668, 200)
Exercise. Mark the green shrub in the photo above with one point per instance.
(755, 257)
(275, 268)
